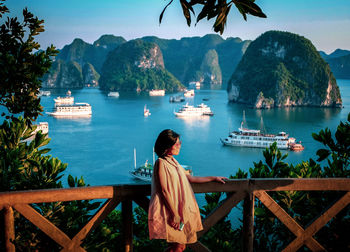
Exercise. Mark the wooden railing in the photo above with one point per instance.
(246, 190)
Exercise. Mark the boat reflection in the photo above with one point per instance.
(77, 118)
(199, 121)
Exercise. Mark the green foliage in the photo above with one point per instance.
(270, 234)
(220, 237)
(216, 9)
(24, 166)
(338, 165)
(20, 66)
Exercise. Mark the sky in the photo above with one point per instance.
(325, 22)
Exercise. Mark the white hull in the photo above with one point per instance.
(157, 92)
(254, 138)
(253, 144)
(44, 93)
(189, 93)
(191, 111)
(146, 174)
(147, 178)
(113, 94)
(70, 114)
(188, 114)
(76, 110)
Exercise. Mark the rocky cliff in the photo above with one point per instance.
(63, 75)
(209, 70)
(85, 56)
(187, 58)
(282, 69)
(137, 65)
(209, 59)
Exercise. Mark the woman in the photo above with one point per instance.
(173, 214)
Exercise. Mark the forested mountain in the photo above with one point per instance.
(64, 75)
(209, 59)
(185, 57)
(95, 54)
(339, 62)
(137, 65)
(337, 53)
(88, 57)
(283, 69)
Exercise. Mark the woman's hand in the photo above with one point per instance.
(220, 179)
(175, 222)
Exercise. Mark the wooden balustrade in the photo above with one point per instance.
(246, 190)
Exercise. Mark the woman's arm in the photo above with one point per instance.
(196, 179)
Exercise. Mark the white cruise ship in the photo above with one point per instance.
(113, 94)
(64, 100)
(43, 126)
(44, 93)
(194, 84)
(189, 93)
(72, 110)
(191, 111)
(254, 138)
(157, 92)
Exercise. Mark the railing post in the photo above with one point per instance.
(9, 229)
(127, 224)
(248, 222)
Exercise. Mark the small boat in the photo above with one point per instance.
(71, 110)
(44, 93)
(177, 98)
(113, 94)
(194, 84)
(64, 100)
(69, 93)
(296, 147)
(145, 171)
(189, 93)
(191, 111)
(146, 111)
(42, 126)
(157, 92)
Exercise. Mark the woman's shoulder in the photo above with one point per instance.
(159, 162)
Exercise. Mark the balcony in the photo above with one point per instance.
(246, 190)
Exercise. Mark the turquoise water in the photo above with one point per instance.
(101, 148)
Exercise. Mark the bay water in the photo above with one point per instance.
(100, 148)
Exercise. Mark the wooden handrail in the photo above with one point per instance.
(127, 190)
(240, 189)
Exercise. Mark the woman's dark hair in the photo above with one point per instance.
(166, 139)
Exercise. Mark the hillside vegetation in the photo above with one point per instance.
(137, 65)
(283, 69)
